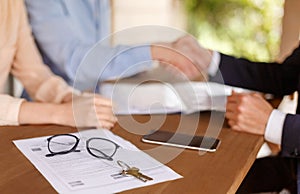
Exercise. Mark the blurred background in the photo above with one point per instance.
(260, 30)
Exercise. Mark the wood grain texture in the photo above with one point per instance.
(219, 172)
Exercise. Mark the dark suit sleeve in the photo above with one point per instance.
(290, 146)
(275, 78)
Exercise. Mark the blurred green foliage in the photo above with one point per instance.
(243, 28)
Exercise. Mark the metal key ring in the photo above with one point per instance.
(123, 165)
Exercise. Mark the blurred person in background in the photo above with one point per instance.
(54, 100)
(66, 30)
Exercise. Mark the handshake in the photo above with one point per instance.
(185, 54)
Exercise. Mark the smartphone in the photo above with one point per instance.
(202, 143)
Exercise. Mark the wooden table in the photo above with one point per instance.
(219, 172)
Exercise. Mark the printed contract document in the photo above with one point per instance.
(80, 172)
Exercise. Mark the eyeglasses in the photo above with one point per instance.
(98, 147)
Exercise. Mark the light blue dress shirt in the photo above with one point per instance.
(65, 30)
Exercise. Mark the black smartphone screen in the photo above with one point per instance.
(182, 140)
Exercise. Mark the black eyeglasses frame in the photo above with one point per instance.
(73, 149)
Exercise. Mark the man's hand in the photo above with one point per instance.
(248, 113)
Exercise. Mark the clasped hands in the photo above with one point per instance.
(248, 112)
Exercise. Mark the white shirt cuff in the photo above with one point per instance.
(274, 127)
(214, 64)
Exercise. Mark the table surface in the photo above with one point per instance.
(218, 172)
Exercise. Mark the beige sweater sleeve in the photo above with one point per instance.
(12, 105)
(28, 67)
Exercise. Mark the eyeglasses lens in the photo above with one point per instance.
(62, 143)
(102, 148)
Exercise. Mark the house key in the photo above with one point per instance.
(133, 171)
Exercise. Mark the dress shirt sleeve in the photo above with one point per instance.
(120, 62)
(64, 44)
(214, 64)
(38, 80)
(274, 127)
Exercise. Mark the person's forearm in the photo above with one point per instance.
(40, 113)
(86, 110)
